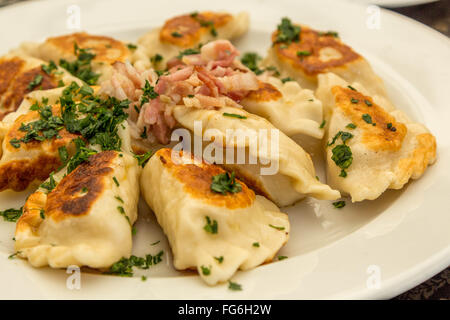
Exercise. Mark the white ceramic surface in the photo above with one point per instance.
(401, 239)
(394, 3)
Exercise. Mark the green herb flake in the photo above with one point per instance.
(368, 103)
(329, 34)
(119, 199)
(287, 79)
(11, 215)
(303, 54)
(48, 69)
(276, 227)
(157, 58)
(287, 32)
(176, 34)
(255, 244)
(234, 286)
(367, 118)
(322, 125)
(143, 158)
(351, 126)
(219, 259)
(390, 127)
(143, 278)
(353, 100)
(233, 115)
(35, 82)
(15, 143)
(132, 46)
(339, 204)
(351, 88)
(42, 214)
(124, 267)
(211, 226)
(224, 183)
(115, 181)
(282, 258)
(342, 156)
(49, 185)
(81, 67)
(205, 270)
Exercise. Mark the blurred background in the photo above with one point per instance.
(435, 14)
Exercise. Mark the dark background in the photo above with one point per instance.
(437, 16)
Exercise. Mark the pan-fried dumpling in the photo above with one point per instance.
(86, 219)
(369, 149)
(21, 74)
(282, 171)
(216, 233)
(95, 54)
(188, 31)
(302, 53)
(24, 159)
(287, 106)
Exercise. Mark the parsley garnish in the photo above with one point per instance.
(48, 69)
(81, 67)
(287, 32)
(115, 181)
(250, 60)
(351, 88)
(49, 185)
(369, 104)
(211, 226)
(15, 143)
(234, 286)
(302, 54)
(148, 93)
(63, 155)
(322, 124)
(224, 182)
(339, 204)
(187, 52)
(205, 270)
(233, 115)
(343, 157)
(132, 46)
(35, 82)
(143, 158)
(329, 34)
(390, 127)
(42, 214)
(119, 199)
(219, 259)
(284, 80)
(353, 100)
(255, 244)
(351, 126)
(157, 58)
(276, 227)
(367, 118)
(11, 215)
(176, 34)
(124, 267)
(81, 155)
(282, 258)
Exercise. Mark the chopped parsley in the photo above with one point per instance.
(234, 286)
(82, 154)
(211, 226)
(368, 103)
(282, 257)
(287, 79)
(11, 215)
(219, 259)
(143, 135)
(48, 69)
(205, 270)
(342, 157)
(322, 124)
(176, 34)
(303, 54)
(233, 115)
(81, 67)
(339, 204)
(12, 256)
(250, 60)
(155, 243)
(390, 127)
(148, 93)
(353, 100)
(15, 143)
(367, 118)
(132, 46)
(124, 267)
(84, 190)
(157, 58)
(63, 155)
(255, 244)
(287, 32)
(42, 214)
(341, 134)
(351, 126)
(329, 34)
(187, 52)
(351, 88)
(115, 181)
(224, 182)
(35, 82)
(143, 158)
(276, 227)
(143, 278)
(49, 185)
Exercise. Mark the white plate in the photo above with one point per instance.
(401, 239)
(394, 3)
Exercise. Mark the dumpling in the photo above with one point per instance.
(86, 219)
(369, 149)
(287, 106)
(21, 74)
(215, 233)
(303, 53)
(188, 31)
(281, 170)
(94, 54)
(22, 163)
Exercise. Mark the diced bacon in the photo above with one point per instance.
(240, 82)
